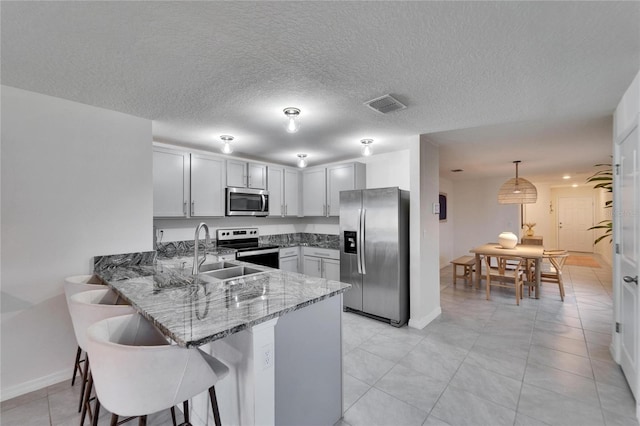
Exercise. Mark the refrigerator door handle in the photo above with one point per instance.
(358, 246)
(363, 218)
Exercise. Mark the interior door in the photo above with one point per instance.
(575, 217)
(627, 238)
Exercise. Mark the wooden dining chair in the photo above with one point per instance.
(508, 273)
(552, 271)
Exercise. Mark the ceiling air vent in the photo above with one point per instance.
(385, 104)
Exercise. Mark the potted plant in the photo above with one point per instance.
(603, 179)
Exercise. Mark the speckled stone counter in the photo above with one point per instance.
(193, 310)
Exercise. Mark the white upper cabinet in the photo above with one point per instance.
(342, 177)
(276, 190)
(291, 192)
(170, 183)
(241, 174)
(284, 191)
(321, 187)
(207, 186)
(314, 192)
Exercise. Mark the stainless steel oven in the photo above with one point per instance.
(246, 242)
(247, 202)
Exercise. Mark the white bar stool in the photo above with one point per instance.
(73, 285)
(86, 308)
(137, 372)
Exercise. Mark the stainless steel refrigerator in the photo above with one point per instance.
(374, 252)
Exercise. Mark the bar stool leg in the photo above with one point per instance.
(214, 405)
(185, 405)
(76, 366)
(114, 420)
(84, 383)
(173, 416)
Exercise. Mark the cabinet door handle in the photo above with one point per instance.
(324, 210)
(193, 207)
(320, 266)
(184, 208)
(286, 209)
(328, 210)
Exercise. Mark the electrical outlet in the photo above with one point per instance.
(267, 356)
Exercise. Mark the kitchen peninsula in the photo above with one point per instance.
(279, 333)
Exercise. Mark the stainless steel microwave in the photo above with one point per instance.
(247, 202)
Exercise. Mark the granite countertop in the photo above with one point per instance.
(193, 310)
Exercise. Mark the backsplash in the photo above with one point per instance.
(303, 239)
(176, 248)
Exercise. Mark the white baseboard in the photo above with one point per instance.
(35, 384)
(424, 321)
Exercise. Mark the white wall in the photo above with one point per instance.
(447, 227)
(424, 230)
(540, 213)
(76, 182)
(390, 169)
(478, 217)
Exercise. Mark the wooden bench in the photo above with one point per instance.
(467, 263)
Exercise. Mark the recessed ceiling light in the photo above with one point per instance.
(565, 177)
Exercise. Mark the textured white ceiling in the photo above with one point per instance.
(203, 69)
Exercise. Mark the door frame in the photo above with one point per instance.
(615, 347)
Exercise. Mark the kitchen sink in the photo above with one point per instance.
(233, 271)
(217, 266)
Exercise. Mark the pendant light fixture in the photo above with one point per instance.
(366, 147)
(517, 190)
(293, 122)
(226, 149)
(302, 162)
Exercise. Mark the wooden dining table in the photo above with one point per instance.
(529, 252)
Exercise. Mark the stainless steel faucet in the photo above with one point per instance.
(207, 239)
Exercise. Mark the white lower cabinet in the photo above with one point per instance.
(322, 263)
(289, 259)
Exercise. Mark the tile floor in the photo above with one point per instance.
(480, 363)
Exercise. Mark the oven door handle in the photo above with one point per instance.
(256, 252)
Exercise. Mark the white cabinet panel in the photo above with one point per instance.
(207, 188)
(241, 174)
(342, 177)
(321, 262)
(312, 266)
(321, 187)
(331, 269)
(289, 263)
(237, 173)
(257, 176)
(170, 183)
(276, 191)
(291, 192)
(314, 192)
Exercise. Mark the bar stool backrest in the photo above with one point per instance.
(91, 306)
(137, 372)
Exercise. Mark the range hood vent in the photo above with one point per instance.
(385, 104)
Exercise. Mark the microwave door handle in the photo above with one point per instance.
(264, 202)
